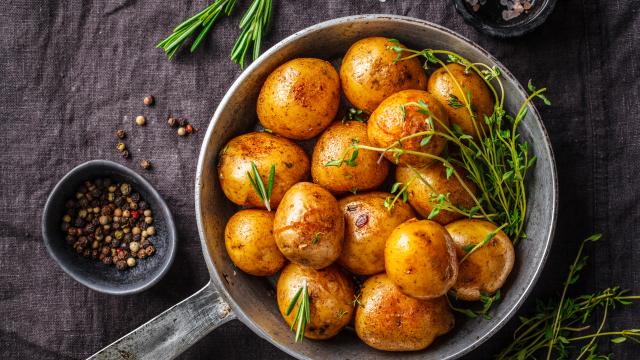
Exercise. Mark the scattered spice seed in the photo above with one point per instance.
(121, 147)
(181, 131)
(104, 223)
(149, 100)
(140, 120)
(183, 122)
(172, 122)
(121, 134)
(125, 154)
(362, 220)
(188, 128)
(145, 164)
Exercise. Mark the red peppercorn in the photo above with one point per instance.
(188, 128)
(135, 214)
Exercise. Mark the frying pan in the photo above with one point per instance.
(231, 294)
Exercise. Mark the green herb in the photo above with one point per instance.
(253, 25)
(202, 22)
(349, 157)
(454, 102)
(316, 239)
(484, 242)
(356, 300)
(342, 313)
(256, 182)
(559, 328)
(401, 191)
(486, 300)
(354, 114)
(303, 314)
(353, 191)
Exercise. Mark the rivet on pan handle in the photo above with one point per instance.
(169, 334)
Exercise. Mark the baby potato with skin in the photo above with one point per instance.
(334, 144)
(330, 296)
(367, 226)
(420, 259)
(389, 320)
(487, 268)
(442, 87)
(370, 73)
(394, 120)
(249, 240)
(309, 226)
(263, 149)
(431, 181)
(300, 98)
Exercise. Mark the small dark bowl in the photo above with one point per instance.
(90, 272)
(489, 18)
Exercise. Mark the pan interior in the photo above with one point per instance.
(253, 299)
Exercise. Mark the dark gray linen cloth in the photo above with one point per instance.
(72, 72)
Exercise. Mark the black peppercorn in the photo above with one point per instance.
(172, 122)
(182, 122)
(125, 154)
(121, 134)
(70, 204)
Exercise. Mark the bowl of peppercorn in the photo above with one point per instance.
(109, 229)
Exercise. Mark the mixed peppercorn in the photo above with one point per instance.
(109, 222)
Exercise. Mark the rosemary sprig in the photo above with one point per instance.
(253, 25)
(303, 314)
(202, 21)
(258, 185)
(559, 329)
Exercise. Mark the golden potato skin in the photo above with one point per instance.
(249, 240)
(420, 194)
(420, 259)
(388, 124)
(442, 86)
(300, 98)
(487, 268)
(332, 145)
(389, 320)
(368, 224)
(292, 166)
(330, 296)
(309, 226)
(370, 74)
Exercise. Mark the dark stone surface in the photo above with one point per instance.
(71, 73)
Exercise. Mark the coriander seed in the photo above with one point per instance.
(140, 120)
(149, 100)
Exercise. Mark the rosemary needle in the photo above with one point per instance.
(303, 314)
(264, 192)
(202, 21)
(253, 26)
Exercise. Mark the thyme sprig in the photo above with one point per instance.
(264, 192)
(401, 191)
(559, 330)
(303, 314)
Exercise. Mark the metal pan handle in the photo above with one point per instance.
(169, 334)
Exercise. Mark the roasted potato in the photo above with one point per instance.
(370, 73)
(330, 297)
(487, 268)
(367, 173)
(389, 320)
(426, 183)
(394, 120)
(300, 98)
(443, 87)
(291, 162)
(367, 226)
(309, 226)
(420, 259)
(249, 240)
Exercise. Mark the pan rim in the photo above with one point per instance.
(546, 147)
